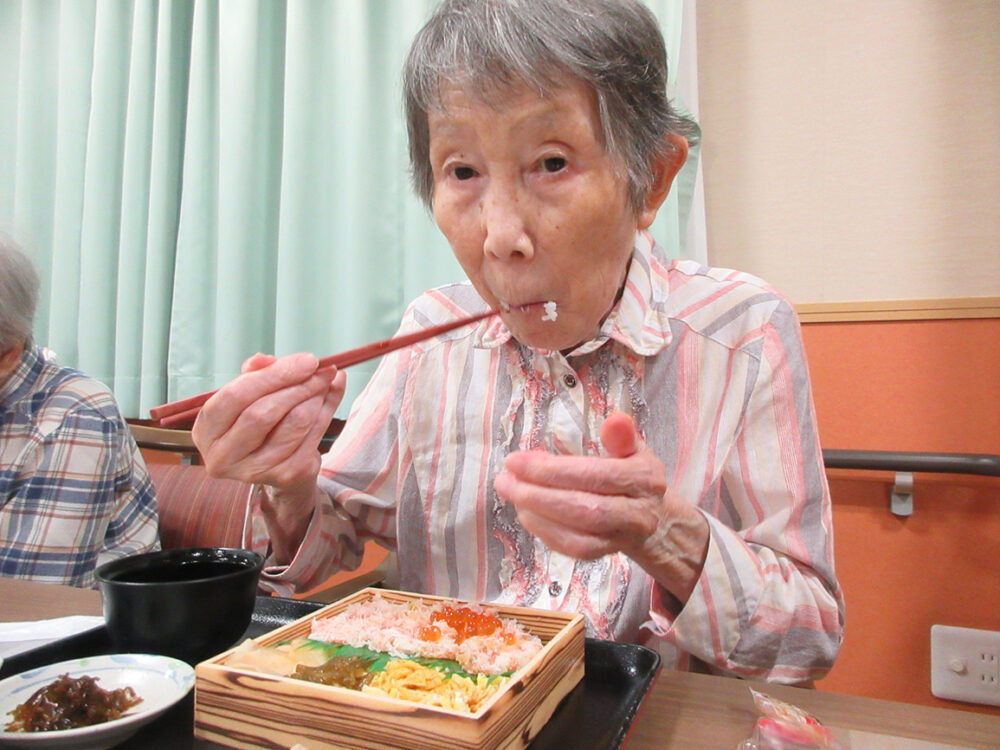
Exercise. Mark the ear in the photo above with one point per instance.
(9, 359)
(665, 166)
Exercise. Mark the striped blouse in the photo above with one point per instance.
(74, 491)
(711, 366)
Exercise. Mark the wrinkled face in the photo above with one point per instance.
(533, 208)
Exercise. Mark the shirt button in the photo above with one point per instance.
(555, 588)
(569, 380)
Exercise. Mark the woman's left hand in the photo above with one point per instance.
(590, 506)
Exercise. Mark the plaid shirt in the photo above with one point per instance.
(709, 363)
(74, 491)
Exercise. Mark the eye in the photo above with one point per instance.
(464, 173)
(553, 163)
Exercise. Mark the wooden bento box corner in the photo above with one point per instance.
(246, 709)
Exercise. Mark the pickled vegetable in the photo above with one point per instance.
(345, 671)
(71, 702)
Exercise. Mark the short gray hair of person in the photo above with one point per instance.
(18, 294)
(615, 47)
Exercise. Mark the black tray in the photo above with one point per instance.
(596, 714)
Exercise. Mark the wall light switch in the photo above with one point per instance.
(965, 664)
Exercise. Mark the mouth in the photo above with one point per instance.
(507, 307)
(548, 309)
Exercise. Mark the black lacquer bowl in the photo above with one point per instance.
(190, 604)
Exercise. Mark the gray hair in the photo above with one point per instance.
(615, 47)
(18, 294)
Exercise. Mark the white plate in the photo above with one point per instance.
(160, 682)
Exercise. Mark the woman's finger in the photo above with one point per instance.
(285, 416)
(608, 516)
(258, 362)
(638, 475)
(299, 407)
(291, 452)
(289, 455)
(570, 542)
(619, 435)
(221, 411)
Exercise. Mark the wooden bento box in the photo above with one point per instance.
(246, 709)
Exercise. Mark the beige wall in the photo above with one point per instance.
(852, 148)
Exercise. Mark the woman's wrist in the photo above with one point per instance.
(287, 513)
(675, 553)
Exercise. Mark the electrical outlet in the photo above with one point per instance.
(965, 664)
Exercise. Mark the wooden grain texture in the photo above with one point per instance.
(914, 309)
(704, 712)
(32, 600)
(246, 709)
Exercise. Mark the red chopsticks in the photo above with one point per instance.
(182, 413)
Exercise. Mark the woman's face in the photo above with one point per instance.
(533, 208)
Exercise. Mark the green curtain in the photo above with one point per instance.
(199, 180)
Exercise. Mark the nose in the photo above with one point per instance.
(503, 212)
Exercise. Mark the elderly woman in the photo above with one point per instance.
(642, 451)
(74, 491)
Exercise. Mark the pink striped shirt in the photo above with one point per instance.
(708, 362)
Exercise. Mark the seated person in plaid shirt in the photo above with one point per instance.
(74, 491)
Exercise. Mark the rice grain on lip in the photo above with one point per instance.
(396, 629)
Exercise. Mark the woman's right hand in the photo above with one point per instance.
(265, 425)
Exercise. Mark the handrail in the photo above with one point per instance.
(904, 464)
(936, 463)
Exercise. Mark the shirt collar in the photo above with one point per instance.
(638, 320)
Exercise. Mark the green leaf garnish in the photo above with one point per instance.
(379, 659)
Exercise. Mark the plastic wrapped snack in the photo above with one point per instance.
(782, 726)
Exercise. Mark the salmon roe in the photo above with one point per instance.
(430, 633)
(466, 623)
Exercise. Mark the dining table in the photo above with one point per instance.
(680, 710)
